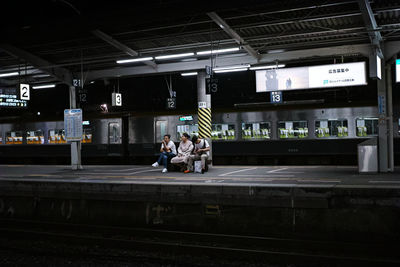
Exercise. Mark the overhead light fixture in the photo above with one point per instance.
(44, 86)
(226, 50)
(175, 56)
(41, 75)
(189, 74)
(276, 51)
(9, 74)
(230, 70)
(139, 59)
(232, 67)
(267, 67)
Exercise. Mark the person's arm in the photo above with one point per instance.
(162, 147)
(167, 148)
(207, 148)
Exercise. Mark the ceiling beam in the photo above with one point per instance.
(233, 34)
(227, 60)
(108, 39)
(371, 25)
(59, 73)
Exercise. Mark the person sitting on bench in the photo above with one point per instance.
(168, 150)
(201, 152)
(184, 150)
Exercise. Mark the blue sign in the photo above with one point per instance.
(381, 104)
(276, 97)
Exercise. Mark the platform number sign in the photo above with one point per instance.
(171, 103)
(82, 95)
(24, 92)
(211, 85)
(276, 97)
(76, 82)
(116, 99)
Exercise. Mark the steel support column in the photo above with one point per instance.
(390, 116)
(382, 122)
(204, 109)
(76, 163)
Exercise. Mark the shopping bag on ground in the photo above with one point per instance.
(197, 166)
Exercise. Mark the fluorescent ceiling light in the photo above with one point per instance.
(276, 51)
(122, 61)
(41, 75)
(267, 67)
(230, 70)
(226, 50)
(44, 86)
(9, 74)
(175, 56)
(232, 67)
(189, 73)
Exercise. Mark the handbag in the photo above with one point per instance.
(197, 166)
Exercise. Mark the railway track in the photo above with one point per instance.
(257, 249)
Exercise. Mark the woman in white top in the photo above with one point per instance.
(168, 150)
(184, 150)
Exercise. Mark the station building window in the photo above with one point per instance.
(223, 132)
(366, 126)
(292, 129)
(34, 137)
(190, 129)
(57, 136)
(256, 130)
(87, 135)
(14, 138)
(331, 128)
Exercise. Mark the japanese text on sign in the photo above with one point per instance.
(73, 124)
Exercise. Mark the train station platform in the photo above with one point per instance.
(315, 176)
(325, 202)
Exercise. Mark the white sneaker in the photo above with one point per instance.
(164, 170)
(155, 164)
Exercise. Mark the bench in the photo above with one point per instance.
(181, 166)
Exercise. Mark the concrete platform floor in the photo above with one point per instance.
(308, 176)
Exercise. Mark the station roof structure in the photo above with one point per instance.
(55, 40)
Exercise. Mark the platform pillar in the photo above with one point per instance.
(204, 109)
(75, 145)
(382, 122)
(390, 115)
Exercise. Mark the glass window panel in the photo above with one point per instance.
(366, 127)
(190, 129)
(256, 130)
(331, 128)
(223, 132)
(292, 129)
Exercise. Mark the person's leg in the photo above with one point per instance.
(204, 157)
(165, 159)
(160, 159)
(190, 162)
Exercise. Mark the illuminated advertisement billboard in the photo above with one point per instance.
(335, 75)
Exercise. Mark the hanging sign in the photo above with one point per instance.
(276, 97)
(116, 99)
(73, 124)
(24, 92)
(334, 75)
(171, 103)
(9, 98)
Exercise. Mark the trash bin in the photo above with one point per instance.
(368, 156)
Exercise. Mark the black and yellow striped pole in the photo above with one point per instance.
(204, 109)
(204, 115)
